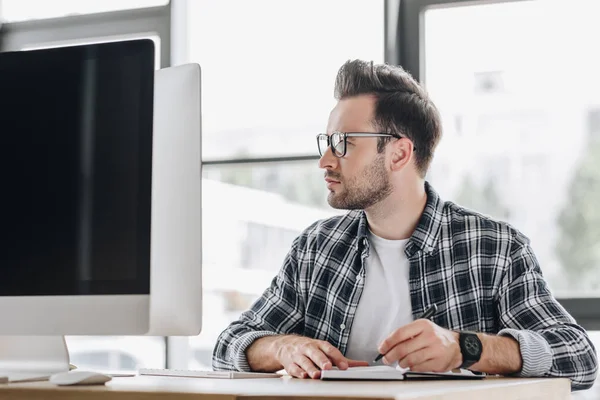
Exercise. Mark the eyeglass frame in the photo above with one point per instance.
(346, 135)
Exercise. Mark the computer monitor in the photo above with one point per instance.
(176, 284)
(102, 182)
(76, 175)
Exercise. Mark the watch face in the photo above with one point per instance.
(472, 345)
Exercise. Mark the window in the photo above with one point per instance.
(267, 82)
(116, 353)
(23, 10)
(81, 22)
(527, 150)
(594, 123)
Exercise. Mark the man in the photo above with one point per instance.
(353, 286)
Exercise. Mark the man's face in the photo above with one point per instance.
(360, 179)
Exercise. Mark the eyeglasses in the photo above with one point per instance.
(337, 141)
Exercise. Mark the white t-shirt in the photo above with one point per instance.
(384, 305)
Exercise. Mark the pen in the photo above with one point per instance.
(430, 312)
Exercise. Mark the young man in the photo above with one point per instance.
(353, 286)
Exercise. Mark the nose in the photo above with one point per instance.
(328, 160)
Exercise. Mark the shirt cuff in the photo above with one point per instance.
(535, 352)
(238, 349)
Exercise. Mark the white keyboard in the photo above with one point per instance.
(207, 374)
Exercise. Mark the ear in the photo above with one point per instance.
(402, 152)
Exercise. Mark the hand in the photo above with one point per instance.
(422, 346)
(304, 357)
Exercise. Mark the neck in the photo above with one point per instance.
(396, 216)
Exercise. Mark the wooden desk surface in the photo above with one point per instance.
(153, 387)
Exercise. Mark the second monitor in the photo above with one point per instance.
(102, 126)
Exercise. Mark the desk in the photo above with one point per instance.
(156, 388)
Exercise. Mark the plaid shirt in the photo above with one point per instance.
(482, 275)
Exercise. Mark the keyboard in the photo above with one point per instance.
(207, 374)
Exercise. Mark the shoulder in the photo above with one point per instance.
(463, 221)
(340, 228)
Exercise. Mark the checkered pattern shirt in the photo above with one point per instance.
(482, 274)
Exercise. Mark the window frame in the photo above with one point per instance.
(404, 23)
(16, 35)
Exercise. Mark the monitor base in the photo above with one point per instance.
(32, 358)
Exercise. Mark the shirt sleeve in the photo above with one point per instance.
(551, 343)
(280, 310)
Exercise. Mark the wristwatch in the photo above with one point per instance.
(470, 347)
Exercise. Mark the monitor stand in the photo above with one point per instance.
(32, 358)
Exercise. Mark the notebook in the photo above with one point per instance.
(384, 372)
(207, 374)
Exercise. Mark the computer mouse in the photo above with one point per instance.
(77, 377)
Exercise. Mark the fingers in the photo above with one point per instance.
(294, 370)
(319, 358)
(334, 355)
(416, 358)
(305, 358)
(308, 366)
(402, 349)
(357, 363)
(330, 352)
(404, 333)
(429, 366)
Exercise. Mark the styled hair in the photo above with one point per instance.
(402, 106)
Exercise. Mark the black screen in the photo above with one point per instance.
(75, 169)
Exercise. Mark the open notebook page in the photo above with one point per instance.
(378, 372)
(384, 372)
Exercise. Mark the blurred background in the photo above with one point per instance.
(516, 82)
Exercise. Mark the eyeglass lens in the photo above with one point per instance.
(336, 141)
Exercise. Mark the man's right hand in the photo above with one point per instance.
(304, 357)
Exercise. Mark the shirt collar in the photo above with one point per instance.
(427, 231)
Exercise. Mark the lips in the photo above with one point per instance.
(331, 183)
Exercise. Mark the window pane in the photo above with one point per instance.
(251, 215)
(268, 68)
(153, 36)
(521, 113)
(116, 353)
(22, 10)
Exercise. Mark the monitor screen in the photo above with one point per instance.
(76, 169)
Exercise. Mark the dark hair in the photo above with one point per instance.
(402, 106)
